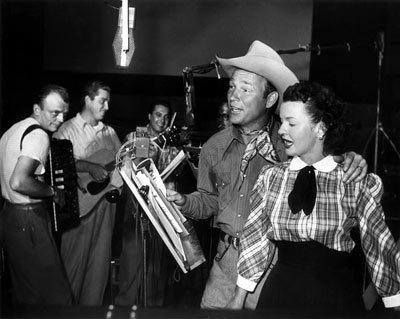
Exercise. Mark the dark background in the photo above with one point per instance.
(69, 43)
(44, 41)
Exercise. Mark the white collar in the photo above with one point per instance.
(83, 122)
(326, 165)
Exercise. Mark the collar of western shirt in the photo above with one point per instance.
(82, 122)
(326, 165)
(231, 133)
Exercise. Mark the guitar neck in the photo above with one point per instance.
(110, 166)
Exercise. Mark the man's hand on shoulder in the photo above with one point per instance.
(354, 165)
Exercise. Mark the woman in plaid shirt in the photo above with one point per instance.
(303, 209)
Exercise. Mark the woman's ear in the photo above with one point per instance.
(271, 99)
(320, 130)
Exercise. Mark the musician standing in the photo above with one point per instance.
(131, 258)
(36, 270)
(86, 249)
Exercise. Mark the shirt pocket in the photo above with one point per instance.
(223, 185)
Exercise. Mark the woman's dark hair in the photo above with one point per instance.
(324, 106)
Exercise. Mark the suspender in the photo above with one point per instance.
(27, 131)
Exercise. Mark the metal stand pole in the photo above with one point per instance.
(378, 124)
(369, 293)
(145, 230)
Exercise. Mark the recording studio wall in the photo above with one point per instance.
(68, 41)
(354, 76)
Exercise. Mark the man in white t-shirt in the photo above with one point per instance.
(36, 270)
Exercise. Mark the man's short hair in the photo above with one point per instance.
(163, 102)
(49, 89)
(91, 90)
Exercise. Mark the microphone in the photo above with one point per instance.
(124, 44)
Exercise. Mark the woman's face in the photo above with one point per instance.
(301, 137)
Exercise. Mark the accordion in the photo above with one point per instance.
(62, 174)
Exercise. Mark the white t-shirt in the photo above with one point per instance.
(35, 145)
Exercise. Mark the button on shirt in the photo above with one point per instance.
(338, 208)
(220, 191)
(87, 139)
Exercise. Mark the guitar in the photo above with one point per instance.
(171, 136)
(91, 192)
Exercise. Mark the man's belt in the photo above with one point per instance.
(231, 240)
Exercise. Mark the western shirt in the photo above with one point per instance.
(220, 191)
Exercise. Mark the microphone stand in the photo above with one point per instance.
(378, 124)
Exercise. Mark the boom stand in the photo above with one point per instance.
(378, 124)
(369, 294)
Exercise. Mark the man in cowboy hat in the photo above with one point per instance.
(231, 160)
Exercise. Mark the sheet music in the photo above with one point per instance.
(173, 165)
(166, 219)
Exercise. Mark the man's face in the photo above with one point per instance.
(52, 113)
(159, 119)
(99, 105)
(246, 100)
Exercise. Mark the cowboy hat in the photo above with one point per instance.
(264, 61)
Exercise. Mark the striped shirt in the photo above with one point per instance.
(339, 207)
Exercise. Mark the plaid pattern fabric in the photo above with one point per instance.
(339, 207)
(261, 144)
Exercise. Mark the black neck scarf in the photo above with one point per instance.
(304, 191)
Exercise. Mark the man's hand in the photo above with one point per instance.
(354, 165)
(175, 197)
(59, 196)
(98, 172)
(237, 301)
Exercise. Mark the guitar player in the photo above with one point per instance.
(86, 249)
(131, 257)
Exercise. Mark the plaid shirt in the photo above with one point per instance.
(339, 207)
